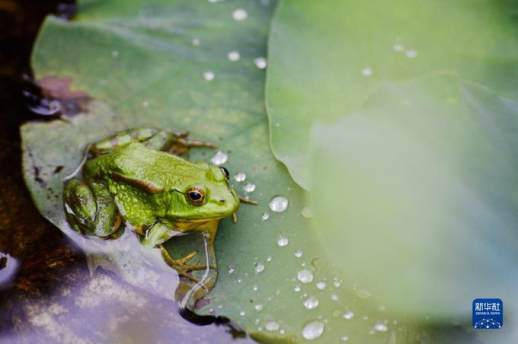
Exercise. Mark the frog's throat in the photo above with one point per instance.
(205, 224)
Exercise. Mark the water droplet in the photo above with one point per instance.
(260, 62)
(195, 42)
(321, 285)
(219, 158)
(259, 267)
(240, 177)
(239, 280)
(265, 216)
(296, 288)
(233, 56)
(255, 288)
(306, 212)
(367, 71)
(282, 241)
(313, 330)
(279, 204)
(311, 302)
(145, 103)
(411, 53)
(258, 307)
(348, 315)
(380, 327)
(305, 276)
(271, 326)
(334, 297)
(249, 187)
(269, 259)
(239, 14)
(344, 338)
(209, 76)
(115, 53)
(298, 253)
(231, 270)
(337, 284)
(398, 47)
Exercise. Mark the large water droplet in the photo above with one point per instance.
(209, 76)
(348, 315)
(305, 276)
(249, 187)
(282, 241)
(219, 158)
(260, 62)
(240, 177)
(233, 56)
(239, 14)
(271, 326)
(259, 267)
(311, 302)
(278, 204)
(313, 330)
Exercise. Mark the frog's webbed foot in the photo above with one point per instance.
(182, 266)
(182, 144)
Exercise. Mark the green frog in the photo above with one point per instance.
(138, 179)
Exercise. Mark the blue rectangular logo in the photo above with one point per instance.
(487, 314)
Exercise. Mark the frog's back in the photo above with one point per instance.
(136, 161)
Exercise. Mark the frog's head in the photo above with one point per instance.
(205, 196)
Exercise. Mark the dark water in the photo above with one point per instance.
(47, 293)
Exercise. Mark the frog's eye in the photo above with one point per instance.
(195, 196)
(225, 172)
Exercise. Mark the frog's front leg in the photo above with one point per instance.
(91, 209)
(174, 142)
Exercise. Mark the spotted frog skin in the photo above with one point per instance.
(138, 178)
